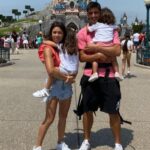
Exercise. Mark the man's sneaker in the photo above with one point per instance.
(37, 148)
(62, 146)
(93, 77)
(118, 147)
(85, 145)
(41, 93)
(118, 77)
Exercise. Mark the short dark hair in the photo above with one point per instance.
(107, 16)
(92, 5)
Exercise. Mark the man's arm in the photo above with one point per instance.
(112, 51)
(99, 57)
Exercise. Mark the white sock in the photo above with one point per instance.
(116, 144)
(46, 89)
(86, 141)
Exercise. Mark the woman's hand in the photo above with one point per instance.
(91, 48)
(70, 79)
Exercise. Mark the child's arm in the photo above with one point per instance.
(53, 44)
(87, 27)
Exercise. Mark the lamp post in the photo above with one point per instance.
(40, 24)
(147, 4)
(0, 23)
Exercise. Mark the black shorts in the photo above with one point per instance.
(104, 93)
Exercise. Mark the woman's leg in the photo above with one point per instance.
(49, 118)
(123, 64)
(115, 65)
(128, 60)
(116, 127)
(49, 82)
(64, 106)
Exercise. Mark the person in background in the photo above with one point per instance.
(39, 39)
(25, 40)
(136, 41)
(7, 42)
(14, 37)
(127, 48)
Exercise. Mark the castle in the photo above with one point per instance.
(71, 12)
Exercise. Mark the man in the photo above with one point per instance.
(104, 93)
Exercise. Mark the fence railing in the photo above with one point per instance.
(143, 56)
(4, 54)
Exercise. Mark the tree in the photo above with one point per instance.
(18, 14)
(31, 9)
(2, 18)
(28, 7)
(25, 12)
(9, 18)
(137, 27)
(14, 11)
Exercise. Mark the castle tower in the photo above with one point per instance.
(71, 12)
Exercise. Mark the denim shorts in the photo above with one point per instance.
(60, 90)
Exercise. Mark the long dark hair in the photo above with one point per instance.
(107, 16)
(70, 44)
(125, 47)
(61, 26)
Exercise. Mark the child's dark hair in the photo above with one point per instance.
(107, 16)
(125, 47)
(70, 45)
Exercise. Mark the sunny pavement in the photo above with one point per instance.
(21, 114)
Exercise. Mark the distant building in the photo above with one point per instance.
(1, 23)
(124, 25)
(71, 12)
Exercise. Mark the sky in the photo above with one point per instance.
(133, 8)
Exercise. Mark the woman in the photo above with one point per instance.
(57, 34)
(127, 47)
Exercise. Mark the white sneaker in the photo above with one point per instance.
(118, 147)
(45, 99)
(37, 148)
(93, 77)
(41, 93)
(118, 77)
(62, 146)
(128, 73)
(85, 145)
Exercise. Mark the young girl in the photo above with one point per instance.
(68, 59)
(104, 31)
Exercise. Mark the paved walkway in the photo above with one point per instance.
(21, 114)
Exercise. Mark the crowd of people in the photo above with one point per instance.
(16, 41)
